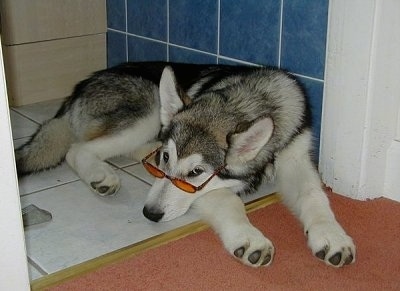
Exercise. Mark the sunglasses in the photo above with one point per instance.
(179, 183)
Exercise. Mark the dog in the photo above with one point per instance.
(222, 131)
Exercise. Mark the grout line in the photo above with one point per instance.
(168, 31)
(307, 77)
(218, 27)
(116, 30)
(25, 116)
(192, 49)
(126, 32)
(24, 137)
(121, 167)
(134, 176)
(240, 61)
(49, 187)
(146, 38)
(280, 36)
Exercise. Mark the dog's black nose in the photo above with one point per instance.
(152, 214)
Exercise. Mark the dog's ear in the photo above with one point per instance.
(172, 97)
(248, 139)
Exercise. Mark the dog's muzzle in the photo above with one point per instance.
(152, 214)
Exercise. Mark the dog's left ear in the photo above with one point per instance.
(248, 140)
(172, 97)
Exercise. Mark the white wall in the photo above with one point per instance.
(360, 155)
(13, 264)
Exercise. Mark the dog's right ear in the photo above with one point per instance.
(172, 97)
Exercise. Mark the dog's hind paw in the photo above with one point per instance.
(330, 243)
(249, 245)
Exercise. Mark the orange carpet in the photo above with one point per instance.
(199, 262)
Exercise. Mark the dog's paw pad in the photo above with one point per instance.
(267, 260)
(331, 244)
(239, 252)
(104, 190)
(321, 254)
(349, 259)
(254, 257)
(104, 181)
(249, 245)
(335, 259)
(260, 257)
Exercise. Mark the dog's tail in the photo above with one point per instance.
(47, 147)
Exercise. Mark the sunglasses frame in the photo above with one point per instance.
(177, 182)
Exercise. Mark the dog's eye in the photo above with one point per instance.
(165, 157)
(196, 172)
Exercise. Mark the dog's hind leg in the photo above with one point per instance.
(87, 158)
(301, 189)
(225, 212)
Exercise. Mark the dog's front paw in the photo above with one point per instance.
(330, 243)
(103, 180)
(249, 245)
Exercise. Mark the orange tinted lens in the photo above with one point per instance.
(153, 170)
(185, 186)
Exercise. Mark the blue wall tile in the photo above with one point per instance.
(116, 14)
(147, 18)
(304, 36)
(116, 48)
(146, 50)
(249, 30)
(194, 24)
(177, 54)
(223, 61)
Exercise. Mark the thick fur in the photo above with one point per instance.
(253, 121)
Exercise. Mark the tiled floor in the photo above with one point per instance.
(84, 225)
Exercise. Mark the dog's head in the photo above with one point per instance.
(200, 144)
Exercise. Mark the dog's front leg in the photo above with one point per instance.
(301, 190)
(225, 213)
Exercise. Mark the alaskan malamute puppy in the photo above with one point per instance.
(222, 130)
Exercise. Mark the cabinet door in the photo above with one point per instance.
(25, 21)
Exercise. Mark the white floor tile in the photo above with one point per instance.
(20, 141)
(85, 225)
(46, 179)
(21, 126)
(121, 161)
(40, 112)
(139, 171)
